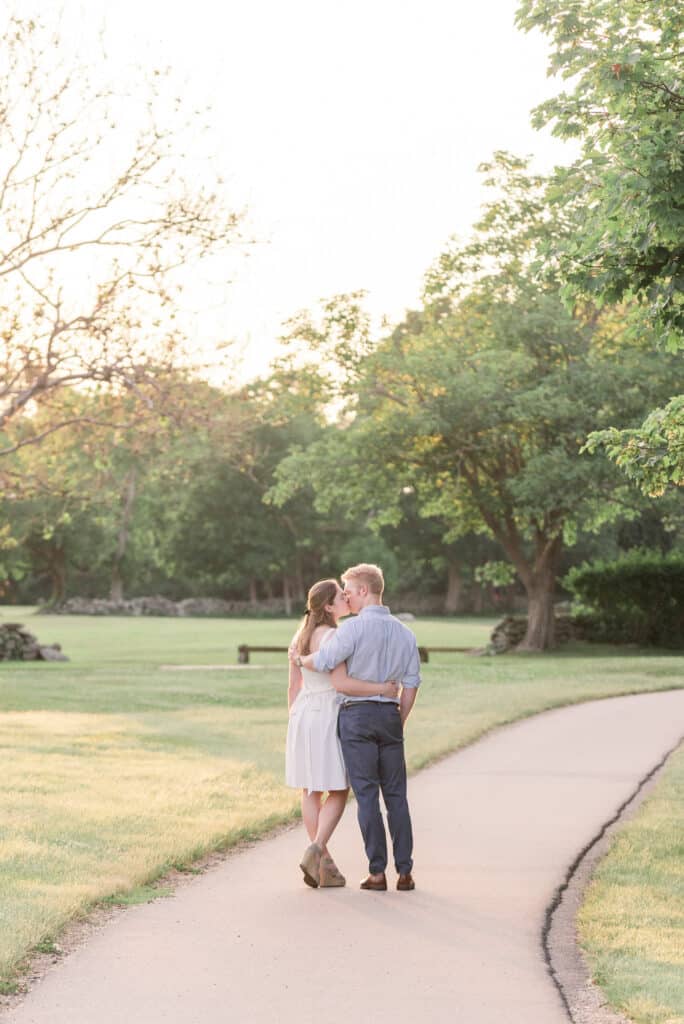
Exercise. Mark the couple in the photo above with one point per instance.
(372, 662)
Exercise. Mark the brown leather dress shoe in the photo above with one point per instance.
(405, 883)
(376, 883)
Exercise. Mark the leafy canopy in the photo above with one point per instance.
(624, 60)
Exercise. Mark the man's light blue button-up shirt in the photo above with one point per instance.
(376, 647)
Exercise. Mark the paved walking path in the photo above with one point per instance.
(497, 826)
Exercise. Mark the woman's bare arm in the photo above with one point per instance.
(352, 687)
(294, 685)
(294, 679)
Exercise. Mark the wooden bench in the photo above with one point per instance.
(424, 651)
(244, 651)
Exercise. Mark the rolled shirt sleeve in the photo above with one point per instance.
(335, 650)
(411, 678)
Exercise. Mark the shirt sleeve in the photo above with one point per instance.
(411, 678)
(335, 650)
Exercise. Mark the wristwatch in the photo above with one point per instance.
(298, 661)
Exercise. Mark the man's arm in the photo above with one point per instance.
(406, 701)
(335, 650)
(411, 676)
(410, 684)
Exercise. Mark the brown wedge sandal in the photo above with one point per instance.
(311, 865)
(330, 875)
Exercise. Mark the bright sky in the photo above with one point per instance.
(351, 130)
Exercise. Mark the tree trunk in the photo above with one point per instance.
(287, 595)
(300, 588)
(116, 592)
(253, 597)
(540, 586)
(538, 576)
(452, 601)
(540, 633)
(297, 581)
(57, 577)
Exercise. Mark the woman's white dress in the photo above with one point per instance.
(313, 755)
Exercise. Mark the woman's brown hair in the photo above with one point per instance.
(321, 594)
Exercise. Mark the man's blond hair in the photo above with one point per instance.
(370, 575)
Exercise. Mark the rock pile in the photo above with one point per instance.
(17, 644)
(508, 633)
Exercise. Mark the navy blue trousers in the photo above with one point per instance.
(372, 738)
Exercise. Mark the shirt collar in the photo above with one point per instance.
(375, 609)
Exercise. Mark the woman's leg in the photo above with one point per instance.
(311, 809)
(311, 861)
(329, 816)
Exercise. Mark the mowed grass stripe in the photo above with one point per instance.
(117, 770)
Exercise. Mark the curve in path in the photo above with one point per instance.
(497, 825)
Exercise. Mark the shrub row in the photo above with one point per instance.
(639, 598)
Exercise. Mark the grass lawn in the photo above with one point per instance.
(632, 921)
(116, 768)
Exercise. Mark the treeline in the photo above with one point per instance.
(192, 504)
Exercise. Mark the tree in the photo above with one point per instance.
(219, 536)
(100, 231)
(91, 500)
(55, 539)
(481, 402)
(624, 59)
(651, 455)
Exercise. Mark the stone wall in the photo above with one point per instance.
(158, 605)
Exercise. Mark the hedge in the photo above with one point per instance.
(638, 598)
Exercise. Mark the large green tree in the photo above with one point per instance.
(481, 402)
(624, 61)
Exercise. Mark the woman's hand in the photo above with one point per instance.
(292, 653)
(390, 689)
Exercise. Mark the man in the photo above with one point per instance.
(376, 647)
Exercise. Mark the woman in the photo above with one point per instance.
(313, 759)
